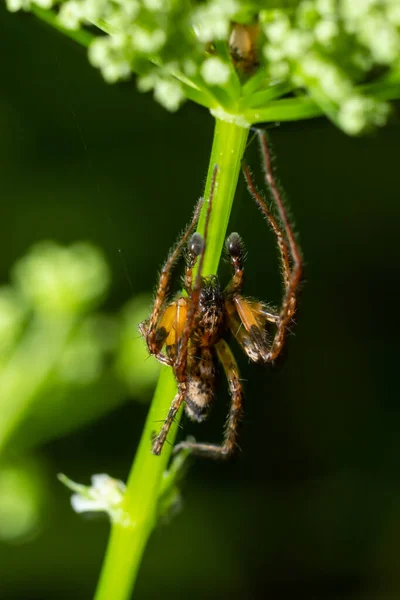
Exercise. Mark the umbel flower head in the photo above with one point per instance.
(239, 58)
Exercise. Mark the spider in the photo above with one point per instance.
(188, 332)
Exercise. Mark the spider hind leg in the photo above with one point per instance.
(290, 254)
(159, 440)
(229, 445)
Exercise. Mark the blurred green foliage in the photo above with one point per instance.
(62, 365)
(311, 506)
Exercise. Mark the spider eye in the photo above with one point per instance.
(196, 244)
(234, 245)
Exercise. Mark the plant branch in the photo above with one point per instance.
(81, 36)
(130, 535)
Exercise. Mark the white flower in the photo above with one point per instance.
(148, 42)
(15, 5)
(214, 71)
(99, 51)
(212, 21)
(278, 30)
(297, 43)
(357, 112)
(168, 93)
(326, 31)
(156, 5)
(104, 495)
(71, 14)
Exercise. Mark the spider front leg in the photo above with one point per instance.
(173, 339)
(198, 244)
(150, 329)
(181, 332)
(229, 445)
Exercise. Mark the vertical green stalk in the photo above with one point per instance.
(129, 536)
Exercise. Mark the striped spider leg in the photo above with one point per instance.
(253, 315)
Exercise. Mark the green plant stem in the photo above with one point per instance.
(81, 36)
(129, 536)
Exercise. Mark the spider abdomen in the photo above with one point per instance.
(200, 384)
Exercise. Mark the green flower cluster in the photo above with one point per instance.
(326, 46)
(337, 57)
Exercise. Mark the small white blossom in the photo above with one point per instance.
(16, 5)
(355, 9)
(116, 71)
(99, 51)
(326, 7)
(307, 14)
(44, 3)
(279, 70)
(156, 5)
(147, 82)
(168, 93)
(93, 9)
(71, 14)
(104, 495)
(214, 71)
(381, 37)
(393, 13)
(325, 31)
(212, 20)
(334, 83)
(357, 112)
(273, 53)
(149, 42)
(277, 31)
(297, 43)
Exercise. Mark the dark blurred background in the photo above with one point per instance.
(311, 506)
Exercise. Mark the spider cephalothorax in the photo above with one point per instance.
(193, 326)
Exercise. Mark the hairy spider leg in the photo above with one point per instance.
(228, 446)
(159, 440)
(195, 248)
(246, 318)
(179, 364)
(235, 248)
(290, 298)
(291, 276)
(281, 241)
(152, 333)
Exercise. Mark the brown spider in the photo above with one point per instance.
(192, 327)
